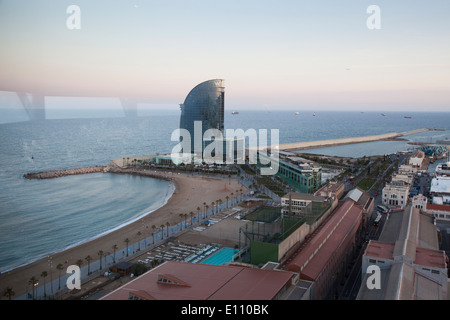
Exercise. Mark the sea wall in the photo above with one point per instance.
(61, 173)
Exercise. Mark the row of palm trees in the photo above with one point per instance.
(34, 281)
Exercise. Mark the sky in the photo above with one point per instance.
(285, 54)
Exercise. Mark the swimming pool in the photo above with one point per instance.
(221, 257)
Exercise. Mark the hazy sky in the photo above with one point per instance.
(272, 54)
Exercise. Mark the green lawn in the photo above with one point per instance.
(366, 183)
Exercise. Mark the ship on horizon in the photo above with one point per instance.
(234, 112)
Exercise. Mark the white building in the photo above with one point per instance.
(440, 190)
(419, 201)
(417, 159)
(395, 194)
(299, 203)
(407, 169)
(408, 178)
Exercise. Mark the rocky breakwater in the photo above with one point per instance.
(62, 173)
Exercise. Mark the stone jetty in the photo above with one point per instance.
(62, 173)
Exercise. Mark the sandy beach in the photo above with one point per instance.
(190, 193)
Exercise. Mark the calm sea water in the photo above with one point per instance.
(39, 217)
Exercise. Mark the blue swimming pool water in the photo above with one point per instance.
(221, 257)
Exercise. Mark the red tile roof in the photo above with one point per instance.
(438, 207)
(207, 282)
(315, 255)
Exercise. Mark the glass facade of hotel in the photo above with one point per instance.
(204, 103)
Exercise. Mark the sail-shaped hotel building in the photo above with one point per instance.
(204, 103)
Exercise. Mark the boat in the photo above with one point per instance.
(297, 113)
(407, 117)
(314, 114)
(383, 114)
(234, 112)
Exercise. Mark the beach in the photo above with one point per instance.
(191, 191)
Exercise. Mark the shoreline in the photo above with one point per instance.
(82, 241)
(189, 193)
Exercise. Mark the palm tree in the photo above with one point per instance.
(191, 214)
(204, 206)
(228, 198)
(139, 239)
(213, 206)
(88, 259)
(207, 207)
(106, 256)
(153, 233)
(114, 247)
(33, 281)
(181, 216)
(127, 241)
(100, 254)
(59, 267)
(43, 275)
(198, 214)
(185, 223)
(167, 224)
(162, 231)
(8, 293)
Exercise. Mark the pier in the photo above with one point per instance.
(296, 146)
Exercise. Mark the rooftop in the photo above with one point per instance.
(175, 280)
(317, 252)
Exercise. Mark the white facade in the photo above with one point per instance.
(407, 169)
(440, 190)
(407, 178)
(417, 159)
(419, 201)
(396, 194)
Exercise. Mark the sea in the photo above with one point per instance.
(41, 217)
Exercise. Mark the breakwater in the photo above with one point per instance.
(66, 172)
(107, 169)
(296, 146)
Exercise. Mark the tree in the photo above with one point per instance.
(44, 274)
(162, 231)
(114, 247)
(191, 214)
(198, 214)
(228, 198)
(59, 267)
(139, 240)
(88, 259)
(100, 254)
(167, 224)
(33, 281)
(182, 216)
(8, 293)
(127, 241)
(153, 233)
